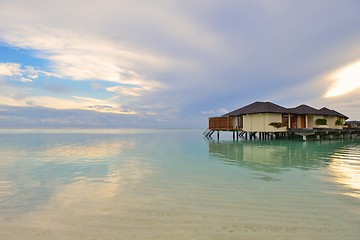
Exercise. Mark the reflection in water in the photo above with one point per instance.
(342, 158)
(35, 167)
(274, 156)
(99, 150)
(345, 166)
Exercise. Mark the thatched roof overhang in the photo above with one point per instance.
(329, 112)
(340, 114)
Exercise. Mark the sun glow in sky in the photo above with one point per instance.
(348, 80)
(124, 63)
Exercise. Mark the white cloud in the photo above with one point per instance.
(10, 69)
(15, 72)
(32, 72)
(25, 80)
(25, 98)
(87, 99)
(120, 41)
(78, 57)
(125, 90)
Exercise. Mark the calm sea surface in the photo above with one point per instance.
(174, 184)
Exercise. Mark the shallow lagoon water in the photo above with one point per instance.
(174, 184)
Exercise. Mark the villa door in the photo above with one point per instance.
(303, 121)
(241, 121)
(293, 121)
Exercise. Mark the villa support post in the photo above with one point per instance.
(254, 135)
(289, 121)
(304, 138)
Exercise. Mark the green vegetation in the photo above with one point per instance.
(278, 124)
(339, 122)
(321, 121)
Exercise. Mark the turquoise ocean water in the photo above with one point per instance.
(175, 184)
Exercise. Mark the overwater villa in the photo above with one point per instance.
(266, 119)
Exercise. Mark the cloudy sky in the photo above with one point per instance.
(173, 63)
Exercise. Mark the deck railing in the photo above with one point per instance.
(221, 123)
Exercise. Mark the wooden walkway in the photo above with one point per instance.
(325, 133)
(292, 133)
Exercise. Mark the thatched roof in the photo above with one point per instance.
(269, 107)
(327, 112)
(258, 107)
(353, 123)
(304, 110)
